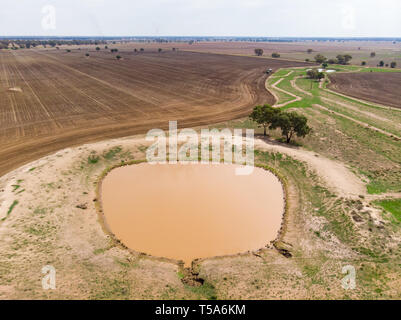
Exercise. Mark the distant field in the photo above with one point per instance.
(383, 88)
(52, 99)
(359, 50)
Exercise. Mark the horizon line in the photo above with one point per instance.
(197, 36)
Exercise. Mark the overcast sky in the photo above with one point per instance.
(269, 18)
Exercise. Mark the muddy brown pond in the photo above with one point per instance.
(189, 211)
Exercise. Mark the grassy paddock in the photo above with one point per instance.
(393, 206)
(371, 154)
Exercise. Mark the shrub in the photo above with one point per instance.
(315, 74)
(259, 52)
(92, 159)
(320, 58)
(344, 59)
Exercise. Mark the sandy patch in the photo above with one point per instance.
(335, 174)
(15, 89)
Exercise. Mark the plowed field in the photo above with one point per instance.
(383, 88)
(52, 99)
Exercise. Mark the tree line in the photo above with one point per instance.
(27, 44)
(259, 52)
(340, 59)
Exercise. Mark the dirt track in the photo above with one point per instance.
(383, 88)
(51, 99)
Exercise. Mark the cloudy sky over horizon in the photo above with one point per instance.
(268, 18)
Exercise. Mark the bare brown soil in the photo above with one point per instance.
(68, 99)
(247, 48)
(383, 88)
(359, 50)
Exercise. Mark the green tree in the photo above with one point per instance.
(393, 64)
(309, 51)
(259, 52)
(275, 55)
(381, 63)
(363, 63)
(118, 57)
(312, 74)
(97, 48)
(320, 58)
(315, 74)
(264, 116)
(347, 58)
(344, 59)
(291, 123)
(340, 59)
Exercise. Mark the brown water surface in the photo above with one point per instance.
(189, 211)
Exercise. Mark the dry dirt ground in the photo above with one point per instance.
(383, 88)
(52, 99)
